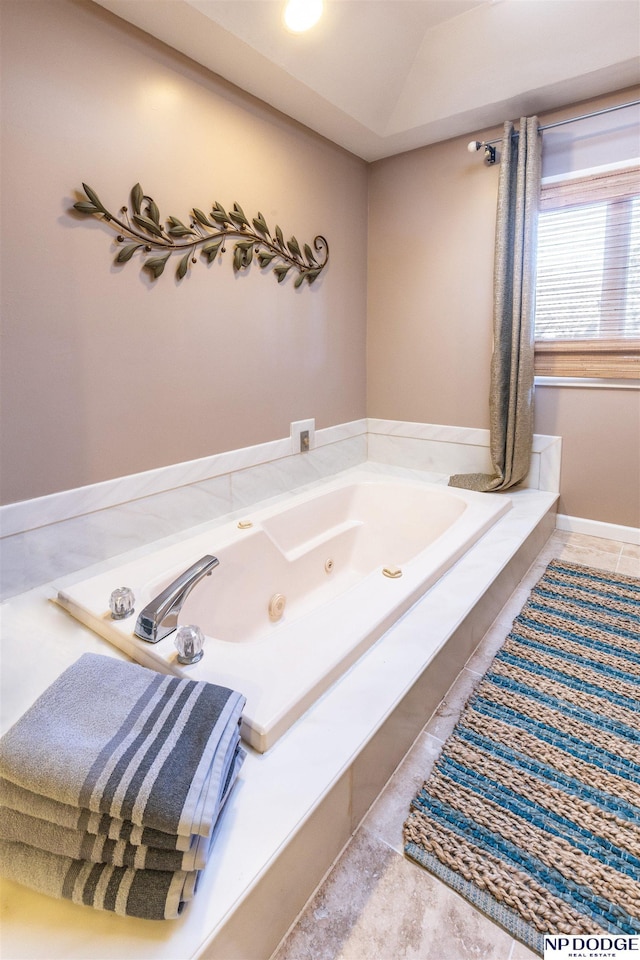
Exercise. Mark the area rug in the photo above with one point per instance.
(532, 811)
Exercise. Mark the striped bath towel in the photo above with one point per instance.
(84, 821)
(147, 894)
(116, 738)
(112, 784)
(98, 848)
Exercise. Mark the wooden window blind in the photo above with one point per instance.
(588, 277)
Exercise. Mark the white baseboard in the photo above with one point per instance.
(598, 528)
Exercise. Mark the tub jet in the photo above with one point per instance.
(276, 606)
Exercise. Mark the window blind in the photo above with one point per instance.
(588, 277)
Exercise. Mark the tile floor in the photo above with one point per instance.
(376, 904)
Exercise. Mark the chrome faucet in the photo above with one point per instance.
(160, 617)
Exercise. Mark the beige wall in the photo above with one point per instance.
(105, 372)
(431, 229)
(600, 450)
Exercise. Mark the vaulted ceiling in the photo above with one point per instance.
(380, 77)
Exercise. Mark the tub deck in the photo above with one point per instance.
(295, 807)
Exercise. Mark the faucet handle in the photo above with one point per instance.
(121, 603)
(189, 642)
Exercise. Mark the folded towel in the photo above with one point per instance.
(112, 785)
(118, 739)
(97, 848)
(19, 827)
(148, 894)
(76, 818)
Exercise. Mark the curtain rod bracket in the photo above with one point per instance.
(489, 150)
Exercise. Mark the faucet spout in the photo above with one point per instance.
(160, 617)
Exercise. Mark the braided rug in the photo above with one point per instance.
(532, 811)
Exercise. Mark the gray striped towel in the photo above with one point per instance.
(116, 738)
(113, 782)
(75, 818)
(148, 894)
(98, 848)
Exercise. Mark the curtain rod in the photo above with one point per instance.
(584, 116)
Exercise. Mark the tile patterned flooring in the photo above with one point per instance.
(375, 904)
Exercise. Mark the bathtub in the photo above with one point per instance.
(303, 588)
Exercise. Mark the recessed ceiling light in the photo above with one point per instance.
(300, 15)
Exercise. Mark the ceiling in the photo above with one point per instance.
(379, 77)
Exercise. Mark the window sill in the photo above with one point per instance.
(601, 383)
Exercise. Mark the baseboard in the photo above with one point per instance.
(598, 528)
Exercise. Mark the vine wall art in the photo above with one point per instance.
(206, 235)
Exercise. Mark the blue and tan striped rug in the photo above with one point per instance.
(532, 811)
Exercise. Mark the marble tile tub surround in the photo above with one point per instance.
(29, 514)
(52, 536)
(443, 449)
(87, 533)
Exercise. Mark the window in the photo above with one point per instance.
(588, 277)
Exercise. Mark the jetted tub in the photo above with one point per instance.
(302, 590)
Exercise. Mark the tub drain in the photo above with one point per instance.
(276, 606)
(328, 565)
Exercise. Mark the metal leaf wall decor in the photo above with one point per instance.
(207, 234)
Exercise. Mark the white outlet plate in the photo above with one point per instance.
(298, 427)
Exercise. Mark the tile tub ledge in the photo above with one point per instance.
(296, 807)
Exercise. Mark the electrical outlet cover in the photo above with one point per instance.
(297, 428)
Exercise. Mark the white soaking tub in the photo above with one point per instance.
(302, 589)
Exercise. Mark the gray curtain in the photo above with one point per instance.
(511, 398)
